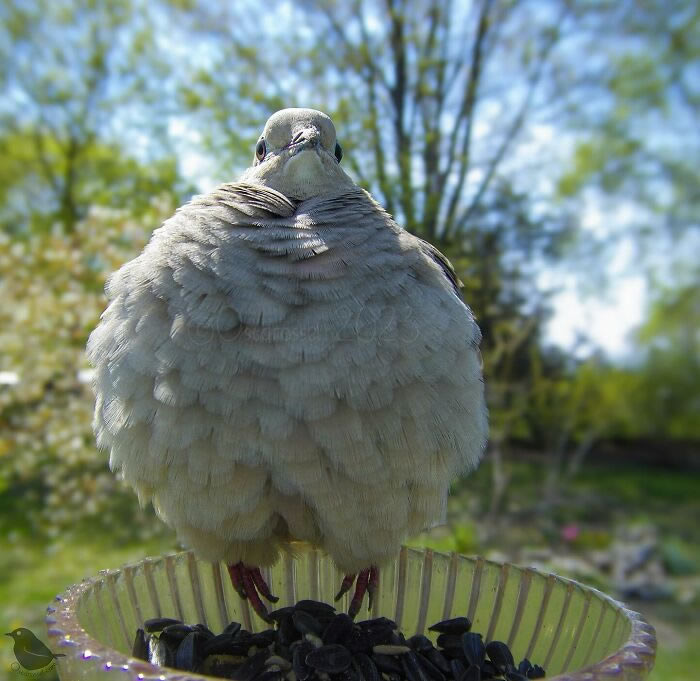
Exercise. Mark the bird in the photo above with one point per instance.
(30, 652)
(284, 363)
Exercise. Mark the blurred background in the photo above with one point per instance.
(551, 149)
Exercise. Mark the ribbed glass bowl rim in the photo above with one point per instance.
(636, 653)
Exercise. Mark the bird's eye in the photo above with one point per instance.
(338, 152)
(260, 150)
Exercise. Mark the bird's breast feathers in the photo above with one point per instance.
(285, 343)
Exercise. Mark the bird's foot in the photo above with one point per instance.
(367, 581)
(250, 584)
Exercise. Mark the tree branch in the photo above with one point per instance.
(397, 94)
(513, 130)
(466, 115)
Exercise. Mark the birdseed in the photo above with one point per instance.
(311, 642)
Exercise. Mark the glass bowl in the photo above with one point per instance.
(575, 632)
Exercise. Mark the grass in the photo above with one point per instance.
(601, 499)
(32, 574)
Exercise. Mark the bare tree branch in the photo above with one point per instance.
(466, 114)
(512, 132)
(430, 104)
(398, 91)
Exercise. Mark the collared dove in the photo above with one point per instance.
(284, 362)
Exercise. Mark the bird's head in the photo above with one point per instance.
(19, 634)
(297, 154)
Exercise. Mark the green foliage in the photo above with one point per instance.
(461, 537)
(669, 386)
(75, 73)
(52, 480)
(638, 136)
(99, 175)
(680, 558)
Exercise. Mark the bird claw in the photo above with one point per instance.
(367, 582)
(249, 584)
(372, 584)
(261, 586)
(345, 586)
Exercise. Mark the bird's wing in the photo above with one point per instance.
(445, 265)
(44, 654)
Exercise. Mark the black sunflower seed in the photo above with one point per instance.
(263, 639)
(338, 629)
(420, 643)
(473, 673)
(161, 653)
(499, 653)
(287, 632)
(224, 666)
(282, 651)
(349, 674)
(473, 648)
(301, 669)
(411, 668)
(439, 660)
(314, 607)
(332, 658)
(387, 663)
(204, 630)
(457, 625)
(278, 661)
(446, 641)
(367, 668)
(524, 666)
(176, 632)
(430, 669)
(536, 672)
(381, 634)
(232, 628)
(358, 641)
(514, 675)
(306, 623)
(186, 657)
(269, 675)
(277, 615)
(489, 670)
(457, 667)
(140, 648)
(252, 666)
(157, 624)
(311, 642)
(224, 644)
(377, 622)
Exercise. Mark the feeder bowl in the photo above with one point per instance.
(575, 632)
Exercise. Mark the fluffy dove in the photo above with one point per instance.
(284, 362)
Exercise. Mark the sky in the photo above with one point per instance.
(585, 317)
(606, 320)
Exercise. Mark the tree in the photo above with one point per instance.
(52, 480)
(638, 135)
(668, 399)
(79, 122)
(417, 90)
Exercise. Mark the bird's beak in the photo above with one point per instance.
(305, 139)
(8, 634)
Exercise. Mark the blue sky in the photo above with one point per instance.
(607, 319)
